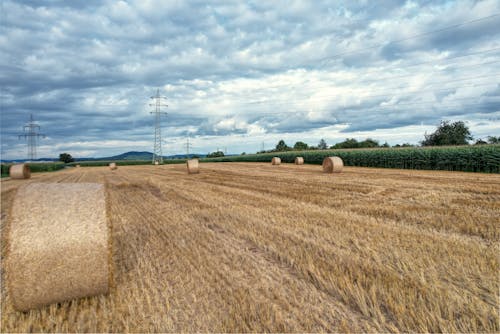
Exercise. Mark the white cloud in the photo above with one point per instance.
(231, 70)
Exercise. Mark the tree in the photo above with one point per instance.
(322, 144)
(215, 154)
(368, 143)
(480, 142)
(300, 146)
(348, 143)
(494, 140)
(282, 146)
(66, 158)
(456, 133)
(404, 145)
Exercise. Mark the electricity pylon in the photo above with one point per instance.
(188, 145)
(158, 104)
(31, 134)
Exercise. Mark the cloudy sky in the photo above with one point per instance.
(242, 75)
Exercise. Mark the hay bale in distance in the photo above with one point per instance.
(156, 162)
(59, 244)
(276, 161)
(193, 166)
(113, 166)
(20, 171)
(299, 160)
(77, 166)
(332, 165)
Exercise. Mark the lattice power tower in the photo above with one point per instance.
(158, 104)
(31, 134)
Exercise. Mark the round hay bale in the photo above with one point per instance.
(332, 165)
(59, 244)
(20, 171)
(193, 166)
(156, 162)
(276, 161)
(113, 166)
(299, 161)
(77, 166)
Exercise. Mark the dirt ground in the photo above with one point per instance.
(246, 247)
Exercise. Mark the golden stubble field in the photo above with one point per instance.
(252, 247)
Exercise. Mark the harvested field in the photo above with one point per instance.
(251, 247)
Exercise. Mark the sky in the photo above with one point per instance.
(241, 75)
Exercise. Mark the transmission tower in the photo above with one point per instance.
(31, 134)
(158, 104)
(188, 145)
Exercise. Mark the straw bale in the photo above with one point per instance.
(299, 160)
(156, 162)
(332, 165)
(77, 166)
(59, 244)
(113, 166)
(276, 161)
(193, 166)
(20, 171)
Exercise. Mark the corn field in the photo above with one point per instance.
(485, 159)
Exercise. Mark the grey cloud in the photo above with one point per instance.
(71, 63)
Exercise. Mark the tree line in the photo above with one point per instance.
(447, 134)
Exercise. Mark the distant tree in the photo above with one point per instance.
(66, 158)
(404, 145)
(493, 140)
(322, 144)
(348, 143)
(215, 154)
(243, 153)
(195, 157)
(386, 144)
(480, 142)
(368, 143)
(456, 133)
(300, 146)
(282, 146)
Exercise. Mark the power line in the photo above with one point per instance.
(389, 77)
(385, 88)
(406, 75)
(408, 38)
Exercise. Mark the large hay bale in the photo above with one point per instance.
(20, 171)
(332, 165)
(299, 160)
(59, 244)
(193, 166)
(276, 161)
(113, 166)
(77, 166)
(156, 162)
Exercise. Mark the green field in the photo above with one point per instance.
(484, 158)
(35, 167)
